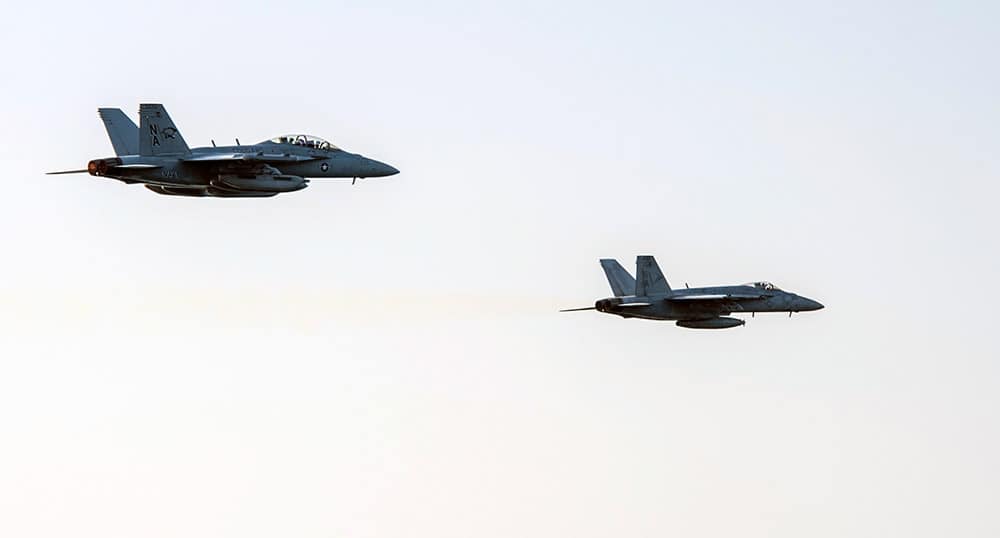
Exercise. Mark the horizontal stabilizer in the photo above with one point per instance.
(632, 305)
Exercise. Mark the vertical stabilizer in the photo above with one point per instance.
(122, 131)
(648, 277)
(157, 133)
(622, 283)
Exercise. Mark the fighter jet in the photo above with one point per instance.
(155, 155)
(649, 296)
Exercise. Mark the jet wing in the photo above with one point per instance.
(249, 157)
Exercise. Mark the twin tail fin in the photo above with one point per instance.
(122, 131)
(649, 279)
(621, 281)
(157, 133)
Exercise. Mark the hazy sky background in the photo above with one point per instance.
(386, 359)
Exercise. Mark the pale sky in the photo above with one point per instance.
(387, 359)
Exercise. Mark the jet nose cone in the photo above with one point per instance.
(375, 168)
(809, 304)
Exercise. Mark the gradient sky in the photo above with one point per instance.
(386, 359)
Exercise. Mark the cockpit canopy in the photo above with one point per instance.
(765, 286)
(304, 140)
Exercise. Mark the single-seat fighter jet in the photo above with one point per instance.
(648, 296)
(156, 155)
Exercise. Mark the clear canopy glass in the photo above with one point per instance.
(765, 286)
(308, 141)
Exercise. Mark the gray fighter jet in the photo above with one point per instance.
(648, 296)
(156, 155)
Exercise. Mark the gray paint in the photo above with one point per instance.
(122, 131)
(621, 282)
(695, 308)
(156, 155)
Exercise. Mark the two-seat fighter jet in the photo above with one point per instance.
(649, 296)
(156, 155)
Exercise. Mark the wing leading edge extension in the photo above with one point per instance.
(713, 297)
(247, 157)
